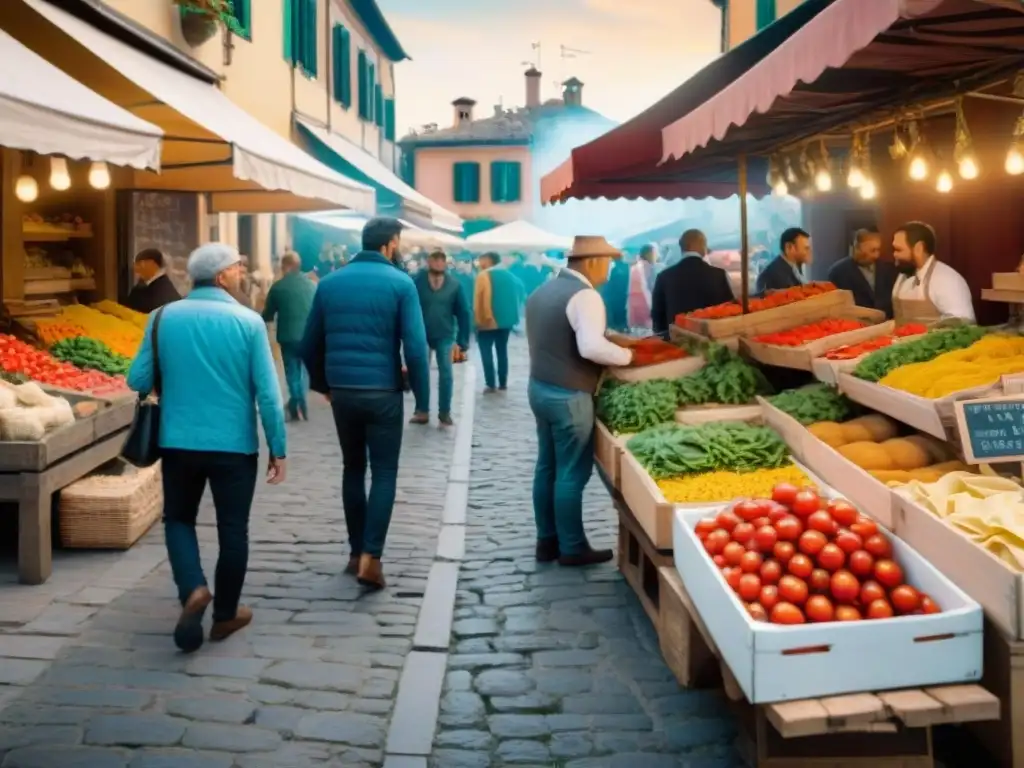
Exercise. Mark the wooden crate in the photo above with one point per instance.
(645, 501)
(1008, 281)
(703, 414)
(679, 335)
(608, 449)
(1004, 677)
(671, 369)
(772, 320)
(802, 358)
(639, 560)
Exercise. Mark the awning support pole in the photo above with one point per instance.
(744, 244)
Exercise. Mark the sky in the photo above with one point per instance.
(636, 51)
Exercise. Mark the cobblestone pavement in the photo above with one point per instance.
(552, 666)
(91, 679)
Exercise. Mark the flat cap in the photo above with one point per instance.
(208, 261)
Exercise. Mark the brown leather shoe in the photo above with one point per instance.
(188, 634)
(587, 557)
(420, 418)
(371, 574)
(353, 565)
(222, 630)
(547, 550)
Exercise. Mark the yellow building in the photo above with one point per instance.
(742, 19)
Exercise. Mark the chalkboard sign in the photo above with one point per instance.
(992, 430)
(168, 221)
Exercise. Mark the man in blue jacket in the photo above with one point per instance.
(212, 370)
(363, 318)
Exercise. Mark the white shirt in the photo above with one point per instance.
(586, 314)
(947, 290)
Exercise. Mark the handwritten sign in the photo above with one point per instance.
(992, 430)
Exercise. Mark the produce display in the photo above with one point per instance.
(854, 351)
(671, 450)
(988, 510)
(17, 357)
(652, 350)
(813, 403)
(725, 486)
(75, 320)
(772, 300)
(27, 413)
(980, 364)
(91, 354)
(725, 379)
(797, 558)
(121, 312)
(878, 365)
(804, 334)
(633, 407)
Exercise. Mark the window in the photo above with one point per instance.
(300, 35)
(765, 13)
(378, 105)
(371, 85)
(389, 119)
(341, 47)
(243, 15)
(363, 101)
(466, 182)
(506, 181)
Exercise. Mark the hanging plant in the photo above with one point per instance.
(200, 19)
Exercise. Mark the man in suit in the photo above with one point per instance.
(861, 273)
(154, 288)
(689, 285)
(786, 269)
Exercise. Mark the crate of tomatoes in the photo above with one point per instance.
(805, 596)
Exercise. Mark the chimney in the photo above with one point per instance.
(572, 92)
(533, 76)
(463, 111)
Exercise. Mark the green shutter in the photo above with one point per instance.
(466, 182)
(362, 84)
(765, 13)
(506, 180)
(371, 90)
(378, 105)
(242, 12)
(343, 67)
(389, 119)
(289, 31)
(310, 27)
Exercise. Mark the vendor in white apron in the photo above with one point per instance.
(926, 290)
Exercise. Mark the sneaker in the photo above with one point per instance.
(419, 418)
(222, 630)
(188, 634)
(445, 420)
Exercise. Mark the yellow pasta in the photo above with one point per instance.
(726, 486)
(980, 364)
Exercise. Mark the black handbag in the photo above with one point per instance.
(142, 447)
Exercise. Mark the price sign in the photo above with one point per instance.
(992, 430)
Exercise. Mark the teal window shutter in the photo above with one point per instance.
(378, 105)
(389, 119)
(765, 13)
(371, 87)
(362, 84)
(289, 31)
(506, 181)
(242, 12)
(310, 27)
(343, 67)
(466, 182)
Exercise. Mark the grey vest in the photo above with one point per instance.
(554, 356)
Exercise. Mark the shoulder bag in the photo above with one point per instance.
(142, 447)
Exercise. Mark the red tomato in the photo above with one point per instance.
(888, 573)
(733, 552)
(719, 561)
(831, 557)
(762, 521)
(750, 587)
(845, 586)
(847, 613)
(819, 580)
(783, 551)
(879, 609)
(905, 599)
(765, 538)
(725, 519)
(769, 596)
(864, 527)
(732, 577)
(800, 566)
(785, 493)
(789, 528)
(871, 591)
(716, 541)
(743, 532)
(928, 605)
(757, 612)
(778, 511)
(843, 512)
(751, 562)
(771, 572)
(848, 541)
(822, 521)
(812, 542)
(861, 564)
(793, 590)
(747, 510)
(806, 503)
(765, 505)
(786, 613)
(819, 608)
(878, 546)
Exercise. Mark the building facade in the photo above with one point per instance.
(742, 19)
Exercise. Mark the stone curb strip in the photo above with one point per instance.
(414, 720)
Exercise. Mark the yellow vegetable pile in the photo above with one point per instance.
(989, 510)
(871, 443)
(726, 486)
(121, 312)
(78, 320)
(979, 365)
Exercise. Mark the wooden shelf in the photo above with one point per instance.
(59, 285)
(1005, 296)
(54, 235)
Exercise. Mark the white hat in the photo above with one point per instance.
(590, 246)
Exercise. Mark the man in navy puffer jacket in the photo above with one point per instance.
(364, 318)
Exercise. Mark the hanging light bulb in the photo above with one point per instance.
(1015, 155)
(944, 182)
(898, 149)
(918, 168)
(60, 179)
(968, 168)
(868, 190)
(99, 176)
(775, 178)
(963, 149)
(855, 177)
(823, 177)
(780, 188)
(26, 188)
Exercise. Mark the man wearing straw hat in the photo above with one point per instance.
(565, 328)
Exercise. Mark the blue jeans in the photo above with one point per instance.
(369, 422)
(232, 479)
(445, 379)
(565, 461)
(295, 377)
(494, 344)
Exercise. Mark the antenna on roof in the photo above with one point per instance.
(536, 47)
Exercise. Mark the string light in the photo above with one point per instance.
(26, 188)
(963, 150)
(99, 176)
(868, 190)
(944, 182)
(855, 178)
(775, 179)
(60, 179)
(918, 168)
(823, 176)
(1015, 155)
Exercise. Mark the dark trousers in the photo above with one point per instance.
(370, 424)
(232, 479)
(494, 344)
(296, 378)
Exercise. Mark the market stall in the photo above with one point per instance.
(517, 237)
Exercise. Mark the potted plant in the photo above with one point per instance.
(200, 19)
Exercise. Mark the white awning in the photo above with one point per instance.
(215, 147)
(376, 171)
(518, 236)
(46, 111)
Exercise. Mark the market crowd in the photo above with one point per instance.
(363, 334)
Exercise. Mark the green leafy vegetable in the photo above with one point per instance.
(882, 362)
(671, 450)
(814, 403)
(635, 407)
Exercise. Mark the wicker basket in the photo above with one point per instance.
(112, 508)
